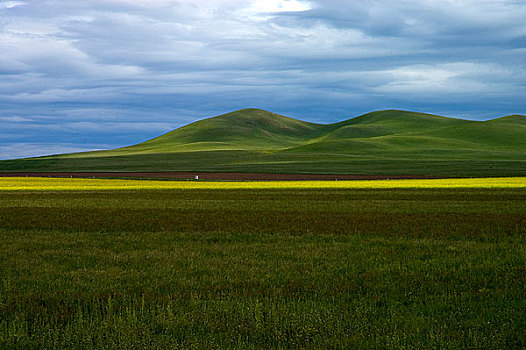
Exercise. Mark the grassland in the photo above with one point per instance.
(263, 268)
(251, 140)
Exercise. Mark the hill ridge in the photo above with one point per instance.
(245, 126)
(512, 117)
(255, 140)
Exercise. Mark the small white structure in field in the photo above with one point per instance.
(197, 177)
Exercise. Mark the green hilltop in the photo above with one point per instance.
(253, 140)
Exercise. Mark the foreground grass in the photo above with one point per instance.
(263, 268)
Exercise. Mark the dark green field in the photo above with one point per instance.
(385, 142)
(263, 269)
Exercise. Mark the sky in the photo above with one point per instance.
(98, 74)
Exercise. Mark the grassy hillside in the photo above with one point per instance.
(253, 140)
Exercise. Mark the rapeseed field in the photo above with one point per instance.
(74, 184)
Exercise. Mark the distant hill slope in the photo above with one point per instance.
(254, 140)
(248, 129)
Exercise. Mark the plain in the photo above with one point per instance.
(263, 268)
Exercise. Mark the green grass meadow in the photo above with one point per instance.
(262, 269)
(387, 142)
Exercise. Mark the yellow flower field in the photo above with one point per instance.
(69, 184)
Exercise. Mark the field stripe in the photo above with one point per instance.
(68, 184)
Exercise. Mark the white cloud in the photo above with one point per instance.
(10, 4)
(276, 6)
(449, 78)
(15, 119)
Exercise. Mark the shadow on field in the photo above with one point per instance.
(176, 220)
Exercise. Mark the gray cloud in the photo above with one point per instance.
(19, 150)
(139, 68)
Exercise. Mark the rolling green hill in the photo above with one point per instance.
(254, 140)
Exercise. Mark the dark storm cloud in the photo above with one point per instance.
(105, 73)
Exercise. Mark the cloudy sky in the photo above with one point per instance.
(80, 75)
